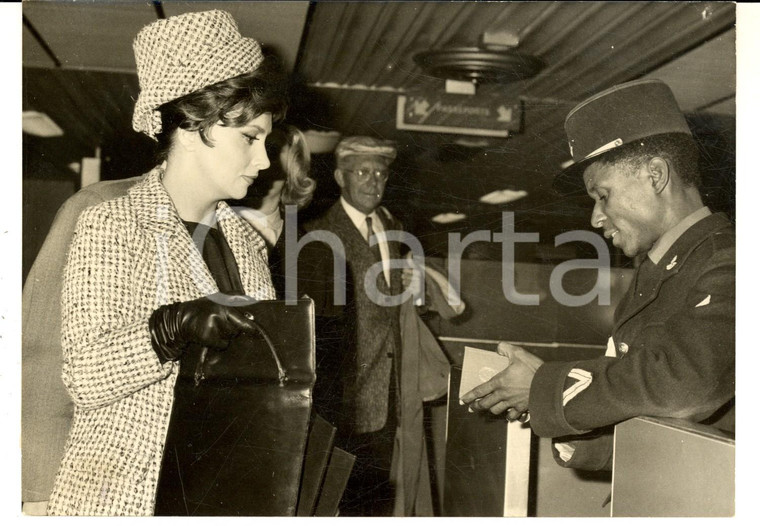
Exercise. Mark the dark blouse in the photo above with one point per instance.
(218, 257)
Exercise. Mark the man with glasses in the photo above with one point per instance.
(358, 344)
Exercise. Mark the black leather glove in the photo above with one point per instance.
(203, 321)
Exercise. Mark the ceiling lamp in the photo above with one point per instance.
(499, 197)
(39, 124)
(449, 217)
(478, 65)
(469, 142)
(494, 60)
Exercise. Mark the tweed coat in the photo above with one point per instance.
(46, 407)
(671, 354)
(129, 256)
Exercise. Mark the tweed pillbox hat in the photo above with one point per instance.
(182, 54)
(362, 145)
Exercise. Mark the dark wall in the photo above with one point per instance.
(489, 315)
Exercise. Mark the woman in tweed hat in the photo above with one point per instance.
(138, 291)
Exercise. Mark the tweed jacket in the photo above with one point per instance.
(337, 335)
(671, 354)
(368, 333)
(46, 407)
(128, 256)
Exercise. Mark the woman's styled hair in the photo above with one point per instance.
(233, 102)
(299, 187)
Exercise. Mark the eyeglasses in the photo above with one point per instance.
(362, 175)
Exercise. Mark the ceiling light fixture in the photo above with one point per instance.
(39, 124)
(460, 87)
(499, 197)
(448, 217)
(478, 65)
(469, 142)
(494, 60)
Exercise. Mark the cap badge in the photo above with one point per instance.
(610, 145)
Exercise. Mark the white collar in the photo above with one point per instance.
(359, 218)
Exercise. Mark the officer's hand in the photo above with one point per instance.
(515, 352)
(509, 390)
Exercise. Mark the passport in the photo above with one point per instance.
(479, 366)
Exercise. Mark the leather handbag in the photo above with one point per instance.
(240, 419)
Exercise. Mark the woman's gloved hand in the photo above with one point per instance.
(203, 321)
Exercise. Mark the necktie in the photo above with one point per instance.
(376, 247)
(646, 279)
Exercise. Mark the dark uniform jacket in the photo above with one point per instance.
(671, 353)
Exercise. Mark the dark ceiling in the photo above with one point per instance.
(352, 60)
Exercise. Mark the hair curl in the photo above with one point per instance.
(679, 149)
(299, 187)
(233, 102)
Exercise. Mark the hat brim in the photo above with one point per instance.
(570, 180)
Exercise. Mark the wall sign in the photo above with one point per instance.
(488, 116)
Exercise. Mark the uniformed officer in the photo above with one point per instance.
(671, 352)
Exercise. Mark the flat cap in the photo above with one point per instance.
(362, 145)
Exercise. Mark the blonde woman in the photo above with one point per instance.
(287, 182)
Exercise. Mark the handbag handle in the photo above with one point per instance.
(282, 376)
